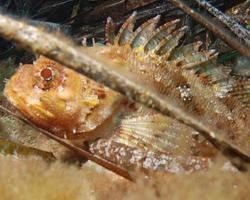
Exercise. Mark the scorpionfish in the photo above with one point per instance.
(60, 100)
(72, 106)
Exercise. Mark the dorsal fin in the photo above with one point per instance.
(169, 43)
(144, 32)
(162, 32)
(126, 31)
(110, 31)
(200, 59)
(186, 50)
(192, 57)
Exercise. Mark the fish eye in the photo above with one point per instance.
(47, 74)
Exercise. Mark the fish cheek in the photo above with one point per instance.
(17, 88)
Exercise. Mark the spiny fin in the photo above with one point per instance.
(110, 31)
(192, 56)
(126, 31)
(162, 32)
(167, 45)
(200, 59)
(144, 32)
(186, 50)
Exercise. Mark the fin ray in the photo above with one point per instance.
(126, 31)
(143, 33)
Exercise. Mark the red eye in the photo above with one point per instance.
(47, 74)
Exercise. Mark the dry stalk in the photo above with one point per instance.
(214, 26)
(233, 25)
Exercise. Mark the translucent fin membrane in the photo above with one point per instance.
(191, 55)
(158, 35)
(169, 43)
(126, 31)
(144, 32)
(154, 132)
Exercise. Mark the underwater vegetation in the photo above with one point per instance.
(148, 104)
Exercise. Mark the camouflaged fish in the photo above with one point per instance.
(72, 106)
(60, 100)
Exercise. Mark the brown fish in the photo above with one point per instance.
(72, 106)
(60, 100)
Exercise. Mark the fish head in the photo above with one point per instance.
(59, 99)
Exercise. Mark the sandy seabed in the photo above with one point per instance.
(33, 178)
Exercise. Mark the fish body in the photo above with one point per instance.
(72, 106)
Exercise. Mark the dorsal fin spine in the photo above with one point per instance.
(145, 30)
(110, 31)
(125, 30)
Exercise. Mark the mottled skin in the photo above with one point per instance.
(75, 107)
(60, 100)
